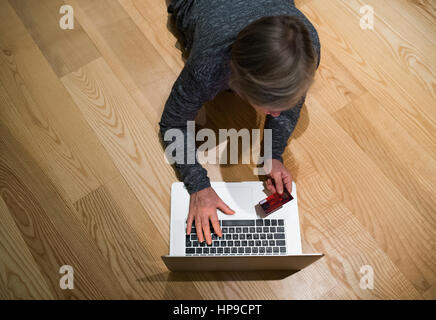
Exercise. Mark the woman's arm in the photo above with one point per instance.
(192, 88)
(186, 98)
(282, 128)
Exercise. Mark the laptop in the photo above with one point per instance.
(251, 240)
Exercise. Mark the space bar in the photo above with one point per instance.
(226, 223)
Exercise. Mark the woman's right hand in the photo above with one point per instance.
(202, 208)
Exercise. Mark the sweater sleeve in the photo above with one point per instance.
(282, 128)
(189, 92)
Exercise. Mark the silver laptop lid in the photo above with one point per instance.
(240, 263)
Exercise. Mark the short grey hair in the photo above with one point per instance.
(273, 62)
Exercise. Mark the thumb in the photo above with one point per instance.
(225, 208)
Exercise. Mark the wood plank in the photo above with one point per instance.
(50, 228)
(390, 219)
(19, 274)
(415, 57)
(139, 221)
(154, 21)
(334, 85)
(363, 154)
(426, 9)
(131, 257)
(413, 25)
(41, 19)
(77, 166)
(430, 294)
(390, 83)
(333, 229)
(128, 52)
(120, 127)
(400, 158)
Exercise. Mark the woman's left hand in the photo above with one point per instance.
(280, 175)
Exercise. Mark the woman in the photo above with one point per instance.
(267, 52)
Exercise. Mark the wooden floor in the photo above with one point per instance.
(83, 180)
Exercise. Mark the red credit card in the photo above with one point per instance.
(275, 202)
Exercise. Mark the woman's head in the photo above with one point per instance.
(273, 63)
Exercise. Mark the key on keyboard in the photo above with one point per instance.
(263, 237)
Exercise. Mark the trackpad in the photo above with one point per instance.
(238, 198)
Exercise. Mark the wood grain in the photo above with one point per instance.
(139, 221)
(387, 81)
(83, 180)
(151, 19)
(132, 258)
(41, 19)
(128, 52)
(119, 124)
(20, 277)
(332, 228)
(395, 153)
(334, 85)
(49, 227)
(77, 165)
(366, 191)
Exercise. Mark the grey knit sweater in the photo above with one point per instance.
(208, 29)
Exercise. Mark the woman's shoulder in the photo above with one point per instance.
(210, 69)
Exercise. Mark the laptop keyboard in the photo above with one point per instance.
(241, 237)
